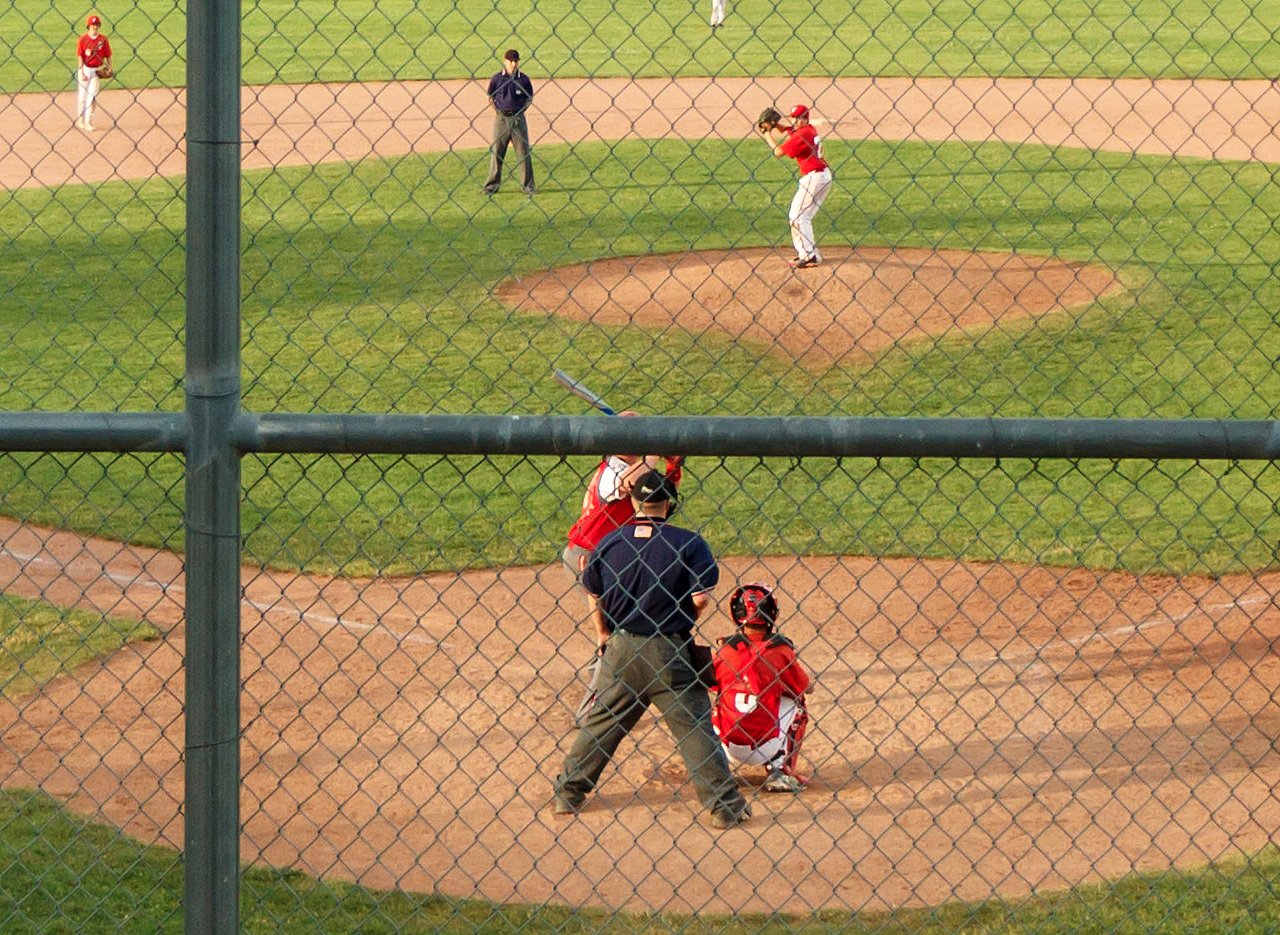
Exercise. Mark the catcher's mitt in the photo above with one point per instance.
(106, 71)
(769, 118)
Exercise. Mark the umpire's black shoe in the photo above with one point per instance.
(561, 806)
(722, 818)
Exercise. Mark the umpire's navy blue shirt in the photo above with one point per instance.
(510, 93)
(645, 576)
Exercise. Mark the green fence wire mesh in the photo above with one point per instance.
(1043, 690)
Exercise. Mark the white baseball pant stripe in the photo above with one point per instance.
(813, 191)
(87, 86)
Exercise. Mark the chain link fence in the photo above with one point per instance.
(1043, 688)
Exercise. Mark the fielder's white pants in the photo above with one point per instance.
(87, 86)
(717, 12)
(772, 752)
(813, 191)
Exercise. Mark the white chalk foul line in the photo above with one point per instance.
(177, 592)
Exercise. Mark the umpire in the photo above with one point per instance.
(510, 93)
(648, 583)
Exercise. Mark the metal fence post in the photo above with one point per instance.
(212, 774)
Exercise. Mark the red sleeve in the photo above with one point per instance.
(674, 469)
(106, 47)
(795, 146)
(795, 680)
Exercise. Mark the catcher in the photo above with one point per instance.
(800, 142)
(93, 63)
(760, 714)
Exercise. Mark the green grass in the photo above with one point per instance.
(62, 874)
(379, 300)
(400, 39)
(38, 641)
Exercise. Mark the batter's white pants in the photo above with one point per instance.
(87, 85)
(717, 12)
(772, 752)
(813, 191)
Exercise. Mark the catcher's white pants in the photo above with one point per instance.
(87, 86)
(813, 191)
(717, 12)
(772, 752)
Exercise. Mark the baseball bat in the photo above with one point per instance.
(577, 389)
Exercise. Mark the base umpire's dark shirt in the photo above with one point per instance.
(645, 576)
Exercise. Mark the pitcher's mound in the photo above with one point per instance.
(859, 301)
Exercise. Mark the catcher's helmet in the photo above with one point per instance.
(93, 21)
(754, 604)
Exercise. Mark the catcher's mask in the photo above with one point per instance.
(754, 604)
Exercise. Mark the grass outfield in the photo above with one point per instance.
(60, 873)
(286, 41)
(379, 302)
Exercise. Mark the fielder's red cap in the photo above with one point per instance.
(93, 21)
(799, 111)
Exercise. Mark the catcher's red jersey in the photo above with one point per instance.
(754, 671)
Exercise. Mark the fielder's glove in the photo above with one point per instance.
(106, 71)
(769, 118)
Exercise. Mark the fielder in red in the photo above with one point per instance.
(93, 51)
(760, 714)
(803, 144)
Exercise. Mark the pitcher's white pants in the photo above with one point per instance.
(813, 191)
(87, 86)
(717, 12)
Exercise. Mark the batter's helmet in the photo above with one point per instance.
(754, 604)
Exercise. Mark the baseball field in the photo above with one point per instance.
(1031, 675)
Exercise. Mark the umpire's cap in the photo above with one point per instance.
(652, 487)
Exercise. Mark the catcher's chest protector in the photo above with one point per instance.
(746, 709)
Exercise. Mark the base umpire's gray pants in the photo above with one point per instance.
(510, 129)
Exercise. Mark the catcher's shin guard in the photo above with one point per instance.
(795, 737)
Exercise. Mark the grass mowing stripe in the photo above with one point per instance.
(399, 39)
(380, 301)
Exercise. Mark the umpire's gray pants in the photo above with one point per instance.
(638, 671)
(510, 130)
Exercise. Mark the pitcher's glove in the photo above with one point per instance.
(769, 118)
(106, 71)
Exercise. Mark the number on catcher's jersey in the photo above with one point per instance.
(746, 709)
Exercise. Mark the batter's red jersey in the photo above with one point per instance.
(753, 672)
(601, 517)
(93, 51)
(803, 145)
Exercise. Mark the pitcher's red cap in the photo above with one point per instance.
(93, 21)
(799, 111)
